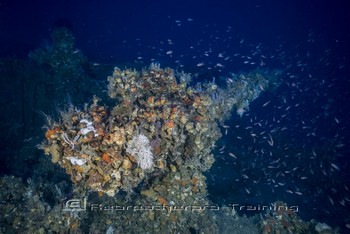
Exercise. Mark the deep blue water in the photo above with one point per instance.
(307, 115)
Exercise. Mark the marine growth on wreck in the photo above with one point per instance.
(161, 128)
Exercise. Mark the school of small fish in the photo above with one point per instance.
(291, 145)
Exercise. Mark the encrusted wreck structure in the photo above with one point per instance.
(161, 131)
(157, 140)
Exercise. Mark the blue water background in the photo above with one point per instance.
(308, 40)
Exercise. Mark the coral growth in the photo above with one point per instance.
(159, 126)
(140, 148)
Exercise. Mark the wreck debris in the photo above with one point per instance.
(159, 127)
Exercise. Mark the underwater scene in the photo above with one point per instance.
(174, 117)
